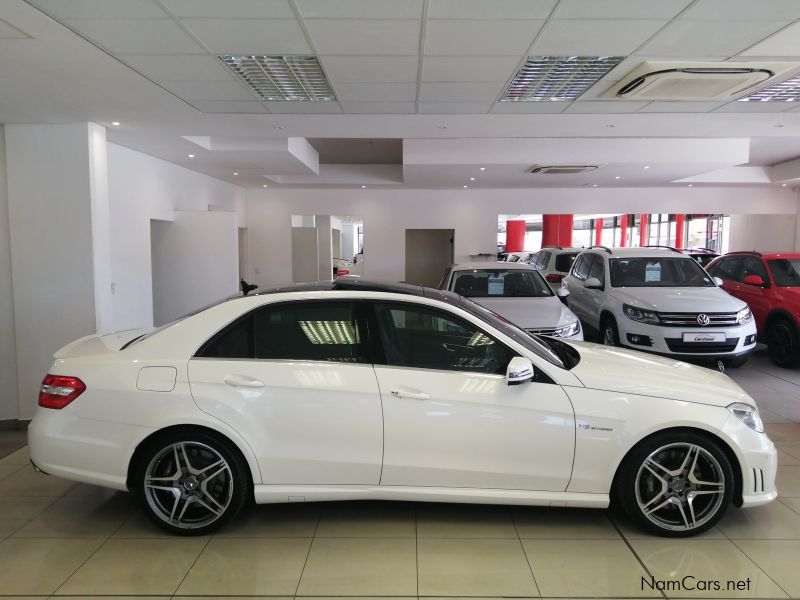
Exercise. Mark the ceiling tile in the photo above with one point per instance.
(708, 38)
(209, 90)
(605, 106)
(744, 10)
(231, 9)
(178, 67)
(9, 32)
(137, 36)
(459, 92)
(229, 107)
(454, 108)
(529, 107)
(619, 9)
(376, 92)
(496, 9)
(100, 9)
(360, 9)
(304, 107)
(480, 38)
(379, 108)
(597, 37)
(756, 107)
(680, 107)
(370, 69)
(250, 36)
(784, 43)
(364, 36)
(469, 68)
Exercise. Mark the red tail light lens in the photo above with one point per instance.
(341, 272)
(58, 391)
(554, 277)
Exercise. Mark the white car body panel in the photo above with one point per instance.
(472, 434)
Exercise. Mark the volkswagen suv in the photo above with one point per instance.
(659, 300)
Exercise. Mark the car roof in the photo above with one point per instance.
(482, 266)
(766, 255)
(629, 252)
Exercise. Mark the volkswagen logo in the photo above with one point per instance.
(703, 319)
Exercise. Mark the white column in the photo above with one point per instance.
(8, 353)
(58, 214)
(324, 247)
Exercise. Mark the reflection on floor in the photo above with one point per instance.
(65, 539)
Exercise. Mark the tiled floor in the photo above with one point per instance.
(69, 540)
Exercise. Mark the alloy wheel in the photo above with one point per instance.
(781, 341)
(680, 487)
(188, 485)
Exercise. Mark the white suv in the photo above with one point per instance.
(658, 300)
(554, 262)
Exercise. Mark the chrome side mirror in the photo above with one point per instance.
(562, 294)
(520, 370)
(718, 281)
(593, 283)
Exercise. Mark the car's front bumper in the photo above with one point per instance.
(758, 461)
(668, 341)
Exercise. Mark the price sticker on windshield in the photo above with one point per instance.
(652, 273)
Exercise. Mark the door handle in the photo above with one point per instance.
(242, 381)
(413, 395)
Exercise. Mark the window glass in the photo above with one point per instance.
(581, 267)
(500, 283)
(235, 341)
(597, 269)
(727, 268)
(786, 271)
(752, 265)
(543, 260)
(658, 272)
(423, 338)
(564, 261)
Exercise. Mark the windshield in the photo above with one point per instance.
(520, 336)
(500, 283)
(704, 259)
(658, 272)
(786, 271)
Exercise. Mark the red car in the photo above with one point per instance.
(770, 284)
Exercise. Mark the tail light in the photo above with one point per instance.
(554, 277)
(58, 391)
(342, 272)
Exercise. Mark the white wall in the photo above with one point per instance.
(472, 213)
(195, 262)
(142, 188)
(8, 356)
(763, 232)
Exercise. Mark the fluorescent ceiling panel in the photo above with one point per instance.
(557, 78)
(282, 78)
(785, 91)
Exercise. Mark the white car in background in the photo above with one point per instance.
(659, 300)
(354, 390)
(517, 292)
(554, 262)
(513, 257)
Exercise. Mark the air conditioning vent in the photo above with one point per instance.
(561, 169)
(696, 81)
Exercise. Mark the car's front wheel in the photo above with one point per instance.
(190, 482)
(782, 343)
(676, 484)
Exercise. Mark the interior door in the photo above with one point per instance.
(450, 419)
(296, 380)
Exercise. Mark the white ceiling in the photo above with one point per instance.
(408, 69)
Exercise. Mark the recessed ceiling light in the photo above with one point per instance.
(282, 78)
(647, 166)
(691, 185)
(557, 78)
(363, 186)
(235, 173)
(785, 91)
(594, 185)
(265, 185)
(472, 179)
(115, 123)
(190, 155)
(483, 168)
(617, 177)
(466, 186)
(783, 185)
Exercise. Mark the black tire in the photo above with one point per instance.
(609, 334)
(643, 486)
(782, 343)
(190, 482)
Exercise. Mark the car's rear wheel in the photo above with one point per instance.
(676, 484)
(608, 331)
(191, 482)
(782, 343)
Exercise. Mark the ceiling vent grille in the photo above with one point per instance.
(785, 91)
(282, 78)
(557, 78)
(561, 169)
(696, 81)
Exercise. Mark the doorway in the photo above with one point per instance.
(428, 253)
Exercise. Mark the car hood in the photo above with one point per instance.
(679, 299)
(530, 313)
(632, 372)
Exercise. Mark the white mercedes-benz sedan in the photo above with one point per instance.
(355, 390)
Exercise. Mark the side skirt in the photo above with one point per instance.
(278, 494)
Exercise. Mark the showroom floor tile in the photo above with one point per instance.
(77, 541)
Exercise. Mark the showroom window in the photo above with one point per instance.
(316, 331)
(422, 338)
